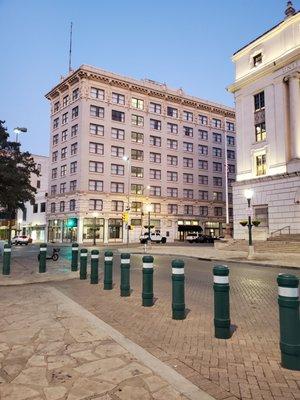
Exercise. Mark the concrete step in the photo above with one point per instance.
(285, 238)
(266, 246)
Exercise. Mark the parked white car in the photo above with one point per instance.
(155, 237)
(22, 239)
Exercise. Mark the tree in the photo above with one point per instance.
(16, 168)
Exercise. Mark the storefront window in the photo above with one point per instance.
(93, 227)
(115, 228)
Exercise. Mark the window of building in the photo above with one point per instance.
(172, 160)
(259, 101)
(217, 167)
(53, 189)
(117, 169)
(96, 166)
(203, 150)
(261, 165)
(155, 174)
(231, 168)
(218, 196)
(96, 129)
(137, 154)
(216, 152)
(74, 148)
(188, 209)
(117, 187)
(261, 213)
(62, 205)
(117, 151)
(72, 204)
(155, 191)
(155, 108)
(155, 141)
(117, 205)
(218, 211)
(118, 134)
(73, 167)
(96, 111)
(35, 208)
(156, 207)
(97, 93)
(118, 116)
(63, 170)
(75, 112)
(217, 137)
(54, 173)
(64, 135)
(95, 205)
(172, 144)
(75, 94)
(203, 135)
(203, 195)
(118, 98)
(54, 156)
(188, 178)
(155, 157)
(73, 186)
(63, 153)
(55, 123)
(137, 103)
(38, 184)
(203, 164)
(136, 206)
(216, 123)
(55, 139)
(231, 154)
(74, 130)
(203, 179)
(230, 181)
(230, 140)
(230, 212)
(43, 207)
(172, 209)
(137, 137)
(188, 131)
(172, 176)
(136, 188)
(65, 100)
(137, 120)
(187, 116)
(172, 192)
(217, 181)
(257, 59)
(203, 120)
(56, 106)
(64, 118)
(203, 210)
(137, 172)
(95, 185)
(188, 162)
(62, 188)
(230, 197)
(188, 193)
(230, 126)
(172, 112)
(52, 207)
(172, 128)
(188, 147)
(260, 132)
(96, 148)
(155, 124)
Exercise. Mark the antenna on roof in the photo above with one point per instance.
(70, 50)
(289, 11)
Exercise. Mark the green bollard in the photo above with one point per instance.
(147, 292)
(221, 300)
(178, 303)
(125, 275)
(108, 270)
(6, 259)
(289, 319)
(42, 257)
(94, 266)
(74, 262)
(83, 263)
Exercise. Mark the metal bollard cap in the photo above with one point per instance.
(75, 245)
(108, 253)
(221, 270)
(125, 255)
(288, 280)
(83, 251)
(43, 245)
(177, 264)
(7, 246)
(148, 259)
(95, 252)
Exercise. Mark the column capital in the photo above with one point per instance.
(293, 75)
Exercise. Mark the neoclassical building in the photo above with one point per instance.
(122, 147)
(267, 97)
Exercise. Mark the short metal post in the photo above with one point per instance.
(42, 259)
(74, 262)
(94, 266)
(178, 302)
(108, 270)
(289, 319)
(125, 275)
(147, 292)
(83, 263)
(6, 259)
(221, 300)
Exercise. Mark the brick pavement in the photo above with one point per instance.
(247, 366)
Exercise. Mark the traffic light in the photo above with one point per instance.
(71, 222)
(125, 216)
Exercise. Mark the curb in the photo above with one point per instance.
(39, 279)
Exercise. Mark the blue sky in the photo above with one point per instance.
(186, 44)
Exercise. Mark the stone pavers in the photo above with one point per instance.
(247, 366)
(50, 350)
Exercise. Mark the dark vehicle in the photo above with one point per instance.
(199, 238)
(54, 256)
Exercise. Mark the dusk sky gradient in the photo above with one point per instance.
(186, 44)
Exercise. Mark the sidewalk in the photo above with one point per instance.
(51, 348)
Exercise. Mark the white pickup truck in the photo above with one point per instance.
(155, 237)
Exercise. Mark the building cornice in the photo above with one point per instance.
(266, 178)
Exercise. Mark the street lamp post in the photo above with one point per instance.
(248, 195)
(95, 215)
(149, 209)
(19, 130)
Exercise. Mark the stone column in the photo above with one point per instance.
(80, 229)
(105, 239)
(294, 95)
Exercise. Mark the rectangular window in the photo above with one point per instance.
(155, 191)
(63, 170)
(230, 126)
(260, 132)
(203, 179)
(117, 187)
(96, 148)
(155, 108)
(172, 144)
(218, 211)
(73, 186)
(65, 100)
(43, 207)
(64, 118)
(62, 187)
(118, 98)
(55, 123)
(54, 156)
(230, 181)
(96, 166)
(137, 103)
(217, 167)
(217, 181)
(136, 206)
(73, 167)
(137, 172)
(155, 157)
(172, 112)
(172, 160)
(56, 106)
(117, 151)
(187, 116)
(188, 210)
(97, 93)
(117, 116)
(187, 131)
(63, 153)
(203, 210)
(257, 59)
(155, 124)
(230, 140)
(155, 174)
(203, 150)
(261, 165)
(74, 130)
(54, 173)
(188, 162)
(75, 112)
(216, 123)
(72, 204)
(259, 101)
(118, 134)
(231, 168)
(216, 152)
(55, 139)
(137, 154)
(156, 207)
(52, 207)
(217, 137)
(188, 147)
(35, 208)
(136, 188)
(155, 141)
(117, 205)
(203, 195)
(137, 137)
(203, 135)
(188, 178)
(172, 128)
(172, 176)
(203, 120)
(172, 192)
(95, 186)
(231, 154)
(96, 111)
(117, 169)
(75, 94)
(95, 204)
(203, 164)
(62, 206)
(137, 120)
(96, 129)
(218, 196)
(172, 209)
(74, 148)
(64, 135)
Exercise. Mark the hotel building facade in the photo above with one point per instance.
(121, 147)
(267, 97)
